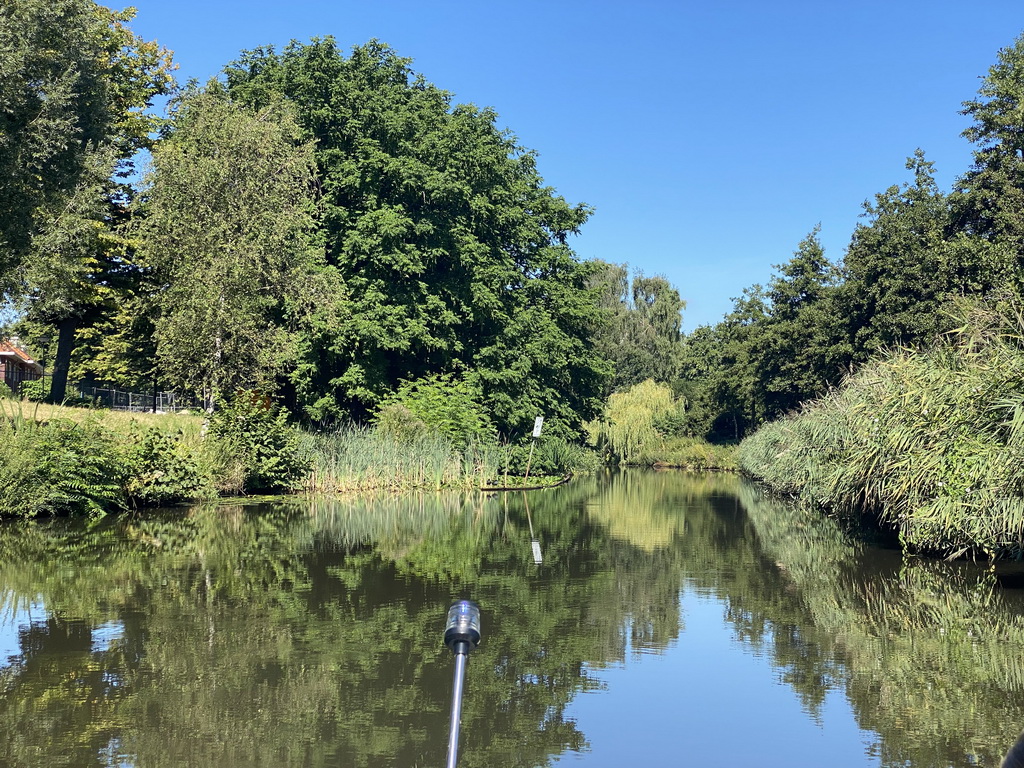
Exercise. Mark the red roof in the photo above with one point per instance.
(9, 350)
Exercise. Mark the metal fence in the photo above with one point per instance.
(119, 400)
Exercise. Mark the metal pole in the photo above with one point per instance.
(453, 734)
(461, 635)
(529, 461)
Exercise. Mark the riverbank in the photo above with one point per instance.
(928, 443)
(63, 460)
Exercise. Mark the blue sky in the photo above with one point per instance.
(709, 137)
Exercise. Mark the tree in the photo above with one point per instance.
(989, 199)
(897, 271)
(800, 348)
(228, 213)
(718, 374)
(80, 265)
(640, 327)
(74, 84)
(451, 253)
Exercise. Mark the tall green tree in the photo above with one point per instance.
(800, 347)
(227, 217)
(75, 84)
(452, 255)
(989, 198)
(640, 326)
(897, 269)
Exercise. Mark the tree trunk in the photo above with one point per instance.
(62, 362)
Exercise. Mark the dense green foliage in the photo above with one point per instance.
(440, 404)
(917, 252)
(926, 438)
(256, 435)
(75, 83)
(450, 254)
(930, 442)
(338, 232)
(639, 332)
(56, 467)
(228, 213)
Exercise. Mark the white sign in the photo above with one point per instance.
(537, 425)
(536, 552)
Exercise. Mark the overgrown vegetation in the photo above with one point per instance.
(61, 460)
(929, 442)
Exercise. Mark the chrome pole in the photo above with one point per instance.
(453, 732)
(462, 635)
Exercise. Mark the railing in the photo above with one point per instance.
(120, 400)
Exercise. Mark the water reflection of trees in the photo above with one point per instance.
(931, 655)
(310, 634)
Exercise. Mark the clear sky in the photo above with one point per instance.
(710, 137)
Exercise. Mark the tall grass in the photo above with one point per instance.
(358, 459)
(928, 442)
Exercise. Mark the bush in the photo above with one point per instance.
(162, 470)
(35, 390)
(396, 422)
(256, 434)
(57, 467)
(448, 406)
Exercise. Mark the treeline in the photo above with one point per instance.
(918, 252)
(331, 229)
(337, 232)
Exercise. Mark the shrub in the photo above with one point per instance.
(57, 467)
(162, 470)
(35, 390)
(396, 422)
(447, 405)
(256, 434)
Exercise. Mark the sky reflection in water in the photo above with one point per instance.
(674, 620)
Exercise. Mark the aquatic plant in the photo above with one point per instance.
(928, 442)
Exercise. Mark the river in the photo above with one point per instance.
(638, 618)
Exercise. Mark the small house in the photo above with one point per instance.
(17, 365)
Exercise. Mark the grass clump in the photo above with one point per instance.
(928, 442)
(353, 458)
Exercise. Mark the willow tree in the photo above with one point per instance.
(452, 252)
(227, 213)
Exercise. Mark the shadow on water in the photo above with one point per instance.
(308, 632)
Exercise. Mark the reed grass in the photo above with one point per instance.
(688, 453)
(359, 459)
(928, 442)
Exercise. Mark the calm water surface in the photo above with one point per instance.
(672, 619)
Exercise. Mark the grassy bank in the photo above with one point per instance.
(360, 459)
(929, 443)
(60, 460)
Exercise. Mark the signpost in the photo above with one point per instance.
(538, 425)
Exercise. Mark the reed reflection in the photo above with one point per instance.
(305, 633)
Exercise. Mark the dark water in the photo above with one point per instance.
(673, 619)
